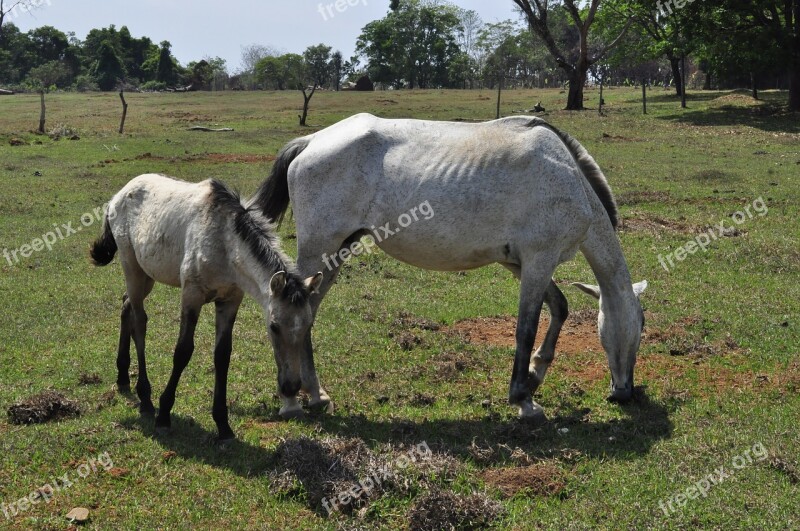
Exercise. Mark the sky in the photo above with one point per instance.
(211, 28)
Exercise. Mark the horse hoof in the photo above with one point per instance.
(295, 413)
(163, 431)
(532, 414)
(147, 412)
(124, 389)
(323, 406)
(224, 441)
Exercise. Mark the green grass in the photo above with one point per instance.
(733, 311)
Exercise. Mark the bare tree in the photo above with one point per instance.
(251, 55)
(576, 65)
(15, 8)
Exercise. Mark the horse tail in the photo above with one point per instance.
(591, 171)
(105, 247)
(272, 196)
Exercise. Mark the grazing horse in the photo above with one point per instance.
(515, 191)
(201, 238)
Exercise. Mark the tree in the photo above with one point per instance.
(108, 71)
(413, 45)
(337, 70)
(43, 78)
(251, 56)
(575, 61)
(315, 71)
(167, 71)
(13, 8)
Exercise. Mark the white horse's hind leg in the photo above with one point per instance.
(535, 280)
(139, 286)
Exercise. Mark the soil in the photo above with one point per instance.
(441, 509)
(46, 406)
(543, 479)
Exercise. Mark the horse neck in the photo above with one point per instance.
(604, 254)
(253, 275)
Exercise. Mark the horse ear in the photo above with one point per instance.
(313, 283)
(277, 283)
(639, 288)
(589, 289)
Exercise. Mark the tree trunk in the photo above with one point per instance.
(42, 114)
(683, 81)
(754, 85)
(306, 102)
(124, 112)
(707, 84)
(577, 79)
(794, 86)
(644, 97)
(600, 105)
(499, 94)
(675, 65)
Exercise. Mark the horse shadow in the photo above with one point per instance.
(571, 433)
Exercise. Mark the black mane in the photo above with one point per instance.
(259, 236)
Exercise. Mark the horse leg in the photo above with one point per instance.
(124, 348)
(190, 313)
(225, 319)
(559, 311)
(139, 287)
(535, 280)
(311, 260)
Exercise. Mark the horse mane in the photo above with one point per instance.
(588, 167)
(260, 237)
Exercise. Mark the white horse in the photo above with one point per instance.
(201, 238)
(514, 191)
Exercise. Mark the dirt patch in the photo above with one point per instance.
(642, 196)
(406, 340)
(422, 400)
(450, 365)
(89, 379)
(235, 158)
(213, 158)
(543, 479)
(441, 509)
(408, 321)
(644, 222)
(618, 138)
(43, 407)
(786, 468)
(577, 335)
(17, 142)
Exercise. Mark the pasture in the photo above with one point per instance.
(411, 356)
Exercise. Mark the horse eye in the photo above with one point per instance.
(275, 328)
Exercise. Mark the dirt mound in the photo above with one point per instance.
(577, 335)
(43, 407)
(543, 479)
(445, 510)
(736, 100)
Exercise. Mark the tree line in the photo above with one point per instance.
(435, 44)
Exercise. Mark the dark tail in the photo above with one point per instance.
(105, 247)
(273, 194)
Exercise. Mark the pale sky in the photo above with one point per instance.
(199, 28)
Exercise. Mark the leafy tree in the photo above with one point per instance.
(108, 71)
(574, 60)
(167, 70)
(43, 78)
(414, 44)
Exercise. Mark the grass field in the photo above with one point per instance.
(719, 358)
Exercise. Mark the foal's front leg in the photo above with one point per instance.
(226, 317)
(190, 313)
